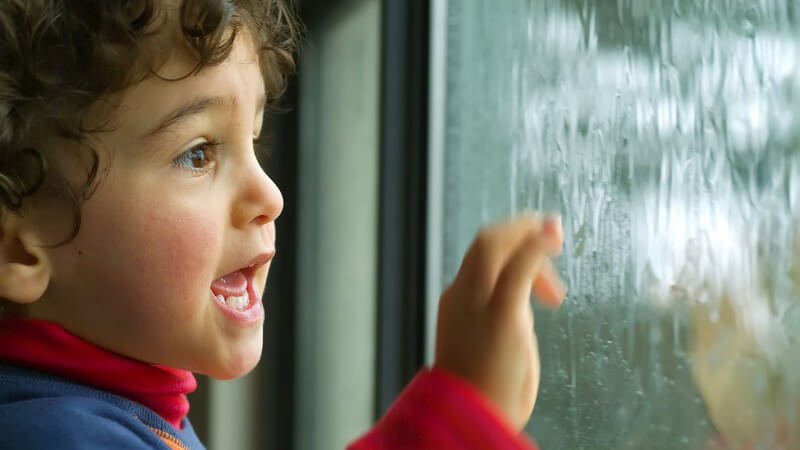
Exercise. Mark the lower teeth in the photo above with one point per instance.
(237, 303)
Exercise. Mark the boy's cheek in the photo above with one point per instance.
(152, 250)
(179, 248)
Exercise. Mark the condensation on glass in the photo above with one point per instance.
(666, 133)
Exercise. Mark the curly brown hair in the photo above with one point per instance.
(59, 57)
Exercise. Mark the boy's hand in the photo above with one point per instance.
(485, 325)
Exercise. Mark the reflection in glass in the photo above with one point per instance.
(666, 133)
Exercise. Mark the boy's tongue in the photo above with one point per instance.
(231, 285)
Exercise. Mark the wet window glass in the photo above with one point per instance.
(666, 133)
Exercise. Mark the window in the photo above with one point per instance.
(665, 132)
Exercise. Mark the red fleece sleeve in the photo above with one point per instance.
(441, 411)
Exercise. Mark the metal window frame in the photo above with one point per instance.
(437, 105)
(403, 196)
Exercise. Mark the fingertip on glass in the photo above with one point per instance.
(552, 222)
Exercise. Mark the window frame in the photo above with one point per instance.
(402, 260)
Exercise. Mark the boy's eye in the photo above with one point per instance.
(193, 159)
(199, 158)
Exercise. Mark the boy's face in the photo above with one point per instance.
(172, 216)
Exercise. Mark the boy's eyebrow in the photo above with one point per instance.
(193, 107)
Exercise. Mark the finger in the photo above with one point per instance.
(517, 277)
(551, 227)
(548, 287)
(490, 251)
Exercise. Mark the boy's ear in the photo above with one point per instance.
(24, 265)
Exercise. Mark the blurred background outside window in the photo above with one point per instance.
(666, 134)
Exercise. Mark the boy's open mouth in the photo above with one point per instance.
(236, 292)
(231, 289)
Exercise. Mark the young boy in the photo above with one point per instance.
(137, 230)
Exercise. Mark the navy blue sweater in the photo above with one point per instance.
(41, 411)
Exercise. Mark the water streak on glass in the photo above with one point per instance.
(666, 132)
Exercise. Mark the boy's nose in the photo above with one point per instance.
(261, 201)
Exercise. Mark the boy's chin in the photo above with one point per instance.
(229, 373)
(235, 364)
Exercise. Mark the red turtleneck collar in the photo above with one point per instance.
(48, 347)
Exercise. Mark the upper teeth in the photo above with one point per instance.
(234, 302)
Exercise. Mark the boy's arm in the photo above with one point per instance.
(441, 411)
